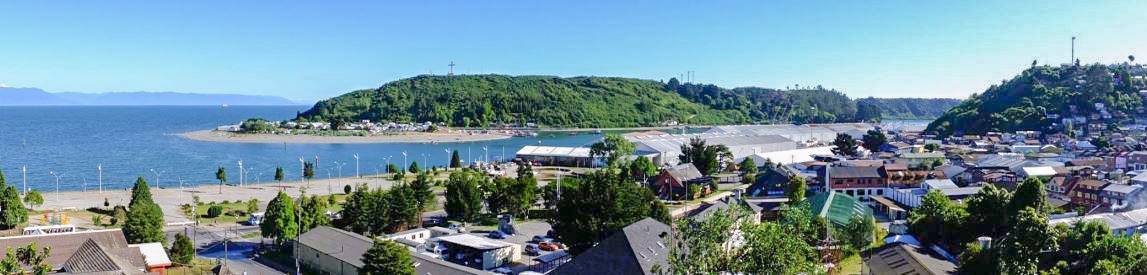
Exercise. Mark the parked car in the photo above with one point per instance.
(533, 250)
(548, 246)
(540, 239)
(503, 270)
(496, 234)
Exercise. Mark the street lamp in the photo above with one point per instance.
(99, 167)
(57, 184)
(356, 174)
(240, 173)
(404, 164)
(448, 155)
(156, 177)
(302, 169)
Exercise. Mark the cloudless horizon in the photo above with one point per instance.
(315, 50)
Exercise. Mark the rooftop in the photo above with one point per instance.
(474, 242)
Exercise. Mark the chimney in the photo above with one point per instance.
(985, 242)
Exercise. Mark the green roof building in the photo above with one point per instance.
(838, 208)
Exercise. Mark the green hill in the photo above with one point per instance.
(1033, 99)
(911, 108)
(585, 102)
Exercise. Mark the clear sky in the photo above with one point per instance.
(317, 49)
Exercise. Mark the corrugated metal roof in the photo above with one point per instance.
(345, 246)
(552, 151)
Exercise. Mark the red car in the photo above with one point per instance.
(548, 246)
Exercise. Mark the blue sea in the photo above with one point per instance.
(130, 142)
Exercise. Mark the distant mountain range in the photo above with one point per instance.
(36, 97)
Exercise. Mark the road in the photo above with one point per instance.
(237, 253)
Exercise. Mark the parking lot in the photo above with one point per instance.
(526, 232)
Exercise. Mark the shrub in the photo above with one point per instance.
(214, 211)
(347, 189)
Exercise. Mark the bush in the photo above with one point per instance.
(236, 213)
(119, 214)
(347, 189)
(214, 211)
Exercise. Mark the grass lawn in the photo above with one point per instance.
(850, 265)
(197, 266)
(201, 212)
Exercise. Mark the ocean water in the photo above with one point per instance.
(130, 142)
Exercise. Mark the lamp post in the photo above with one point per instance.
(157, 177)
(57, 184)
(340, 167)
(24, 171)
(240, 173)
(99, 167)
(356, 174)
(404, 164)
(448, 155)
(388, 164)
(302, 169)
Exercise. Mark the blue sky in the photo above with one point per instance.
(318, 49)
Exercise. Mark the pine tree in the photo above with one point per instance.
(13, 213)
(423, 193)
(140, 193)
(414, 167)
(279, 174)
(182, 251)
(280, 221)
(144, 223)
(455, 160)
(844, 145)
(387, 257)
(314, 212)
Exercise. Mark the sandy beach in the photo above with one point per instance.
(220, 136)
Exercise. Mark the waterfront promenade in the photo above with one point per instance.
(170, 198)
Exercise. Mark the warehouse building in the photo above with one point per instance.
(664, 149)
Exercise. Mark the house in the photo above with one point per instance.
(479, 252)
(1126, 223)
(1087, 192)
(154, 255)
(1097, 163)
(772, 181)
(860, 181)
(333, 251)
(1026, 149)
(1116, 195)
(1037, 171)
(636, 249)
(672, 182)
(906, 258)
(91, 252)
(913, 197)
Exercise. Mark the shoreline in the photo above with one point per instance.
(218, 136)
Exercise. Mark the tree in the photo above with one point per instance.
(221, 175)
(314, 212)
(386, 257)
(140, 193)
(463, 198)
(414, 167)
(937, 220)
(308, 170)
(144, 223)
(1027, 238)
(1131, 58)
(707, 158)
(423, 194)
(873, 139)
(280, 222)
(613, 149)
(598, 205)
(747, 166)
(13, 213)
(403, 209)
(795, 190)
(859, 232)
(17, 258)
(455, 160)
(984, 211)
(844, 145)
(642, 168)
(279, 174)
(931, 147)
(392, 168)
(253, 205)
(182, 251)
(1078, 240)
(1029, 194)
(522, 194)
(34, 198)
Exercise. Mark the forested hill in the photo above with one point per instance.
(1036, 97)
(911, 108)
(482, 100)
